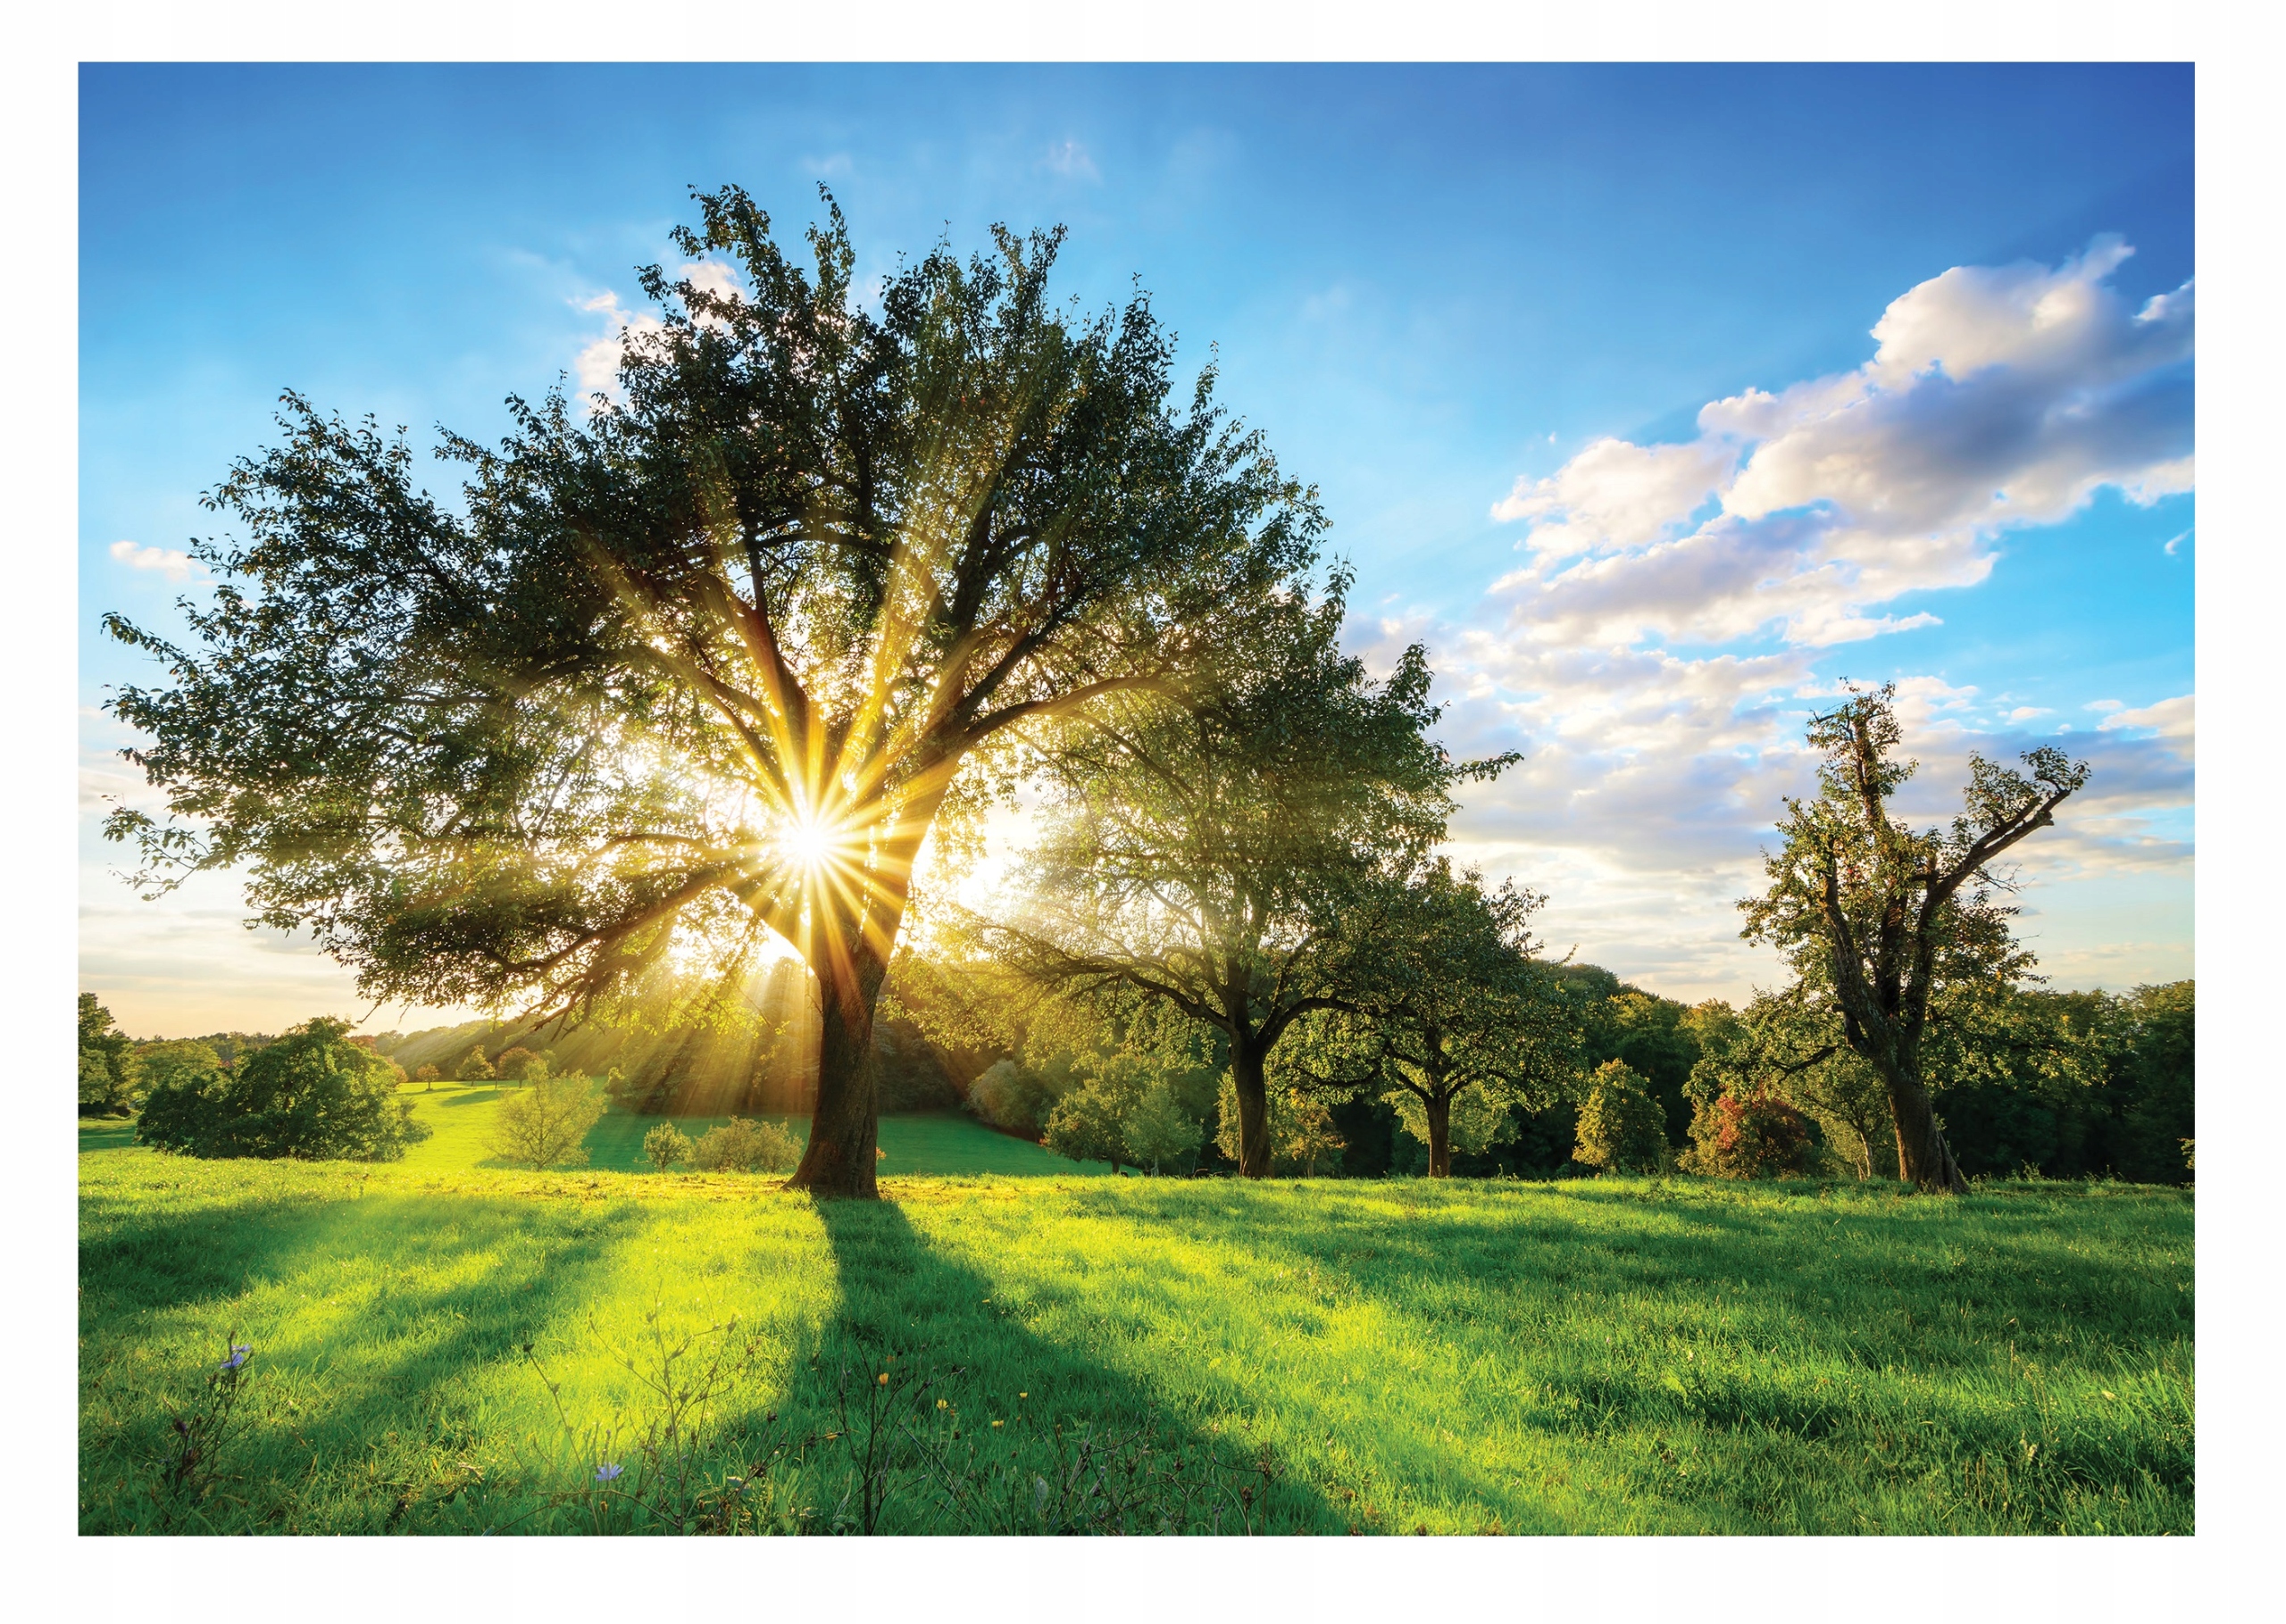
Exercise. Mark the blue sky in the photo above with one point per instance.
(1581, 359)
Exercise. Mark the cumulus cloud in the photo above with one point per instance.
(173, 562)
(1617, 495)
(1651, 784)
(1996, 397)
(2172, 719)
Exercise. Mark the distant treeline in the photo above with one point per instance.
(2057, 1084)
(2067, 1084)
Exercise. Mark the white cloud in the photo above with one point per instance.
(1652, 782)
(1617, 495)
(2173, 719)
(1997, 396)
(173, 562)
(598, 363)
(715, 277)
(1071, 161)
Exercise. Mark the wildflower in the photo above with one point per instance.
(996, 1423)
(940, 1403)
(884, 1379)
(240, 1351)
(1023, 1396)
(608, 1470)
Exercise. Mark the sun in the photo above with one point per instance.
(810, 844)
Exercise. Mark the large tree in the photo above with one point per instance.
(707, 662)
(108, 1070)
(1228, 851)
(1886, 926)
(1447, 1003)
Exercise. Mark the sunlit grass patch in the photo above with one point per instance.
(1613, 1355)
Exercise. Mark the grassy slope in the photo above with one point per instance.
(459, 1116)
(1607, 1356)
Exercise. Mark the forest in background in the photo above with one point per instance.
(2075, 1083)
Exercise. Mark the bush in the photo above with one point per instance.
(311, 1095)
(666, 1144)
(1012, 1097)
(1621, 1128)
(1759, 1135)
(546, 1124)
(740, 1146)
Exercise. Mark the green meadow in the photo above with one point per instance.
(451, 1348)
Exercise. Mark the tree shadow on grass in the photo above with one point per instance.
(351, 1398)
(1860, 1330)
(1037, 1421)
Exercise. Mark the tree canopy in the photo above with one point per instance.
(108, 1070)
(1227, 850)
(709, 662)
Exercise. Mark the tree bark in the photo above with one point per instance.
(1924, 1159)
(853, 922)
(1253, 1110)
(846, 1122)
(1440, 1110)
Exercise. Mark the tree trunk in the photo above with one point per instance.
(1924, 1159)
(845, 1126)
(1253, 1110)
(1440, 1110)
(854, 920)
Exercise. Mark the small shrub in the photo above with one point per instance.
(740, 1146)
(1621, 1127)
(667, 1145)
(1759, 1135)
(189, 1469)
(546, 1124)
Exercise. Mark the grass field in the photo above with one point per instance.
(1383, 1356)
(459, 1117)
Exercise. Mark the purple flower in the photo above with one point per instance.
(607, 1472)
(239, 1351)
